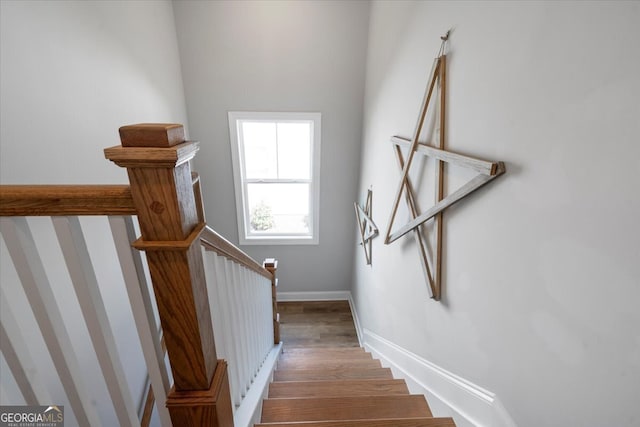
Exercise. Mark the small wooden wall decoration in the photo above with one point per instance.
(487, 172)
(366, 226)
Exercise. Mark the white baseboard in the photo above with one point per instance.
(448, 394)
(356, 320)
(249, 411)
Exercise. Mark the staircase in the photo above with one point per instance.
(341, 387)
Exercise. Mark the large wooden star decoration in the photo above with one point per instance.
(487, 171)
(366, 226)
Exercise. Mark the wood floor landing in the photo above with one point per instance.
(314, 324)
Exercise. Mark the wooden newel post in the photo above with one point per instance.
(157, 160)
(272, 266)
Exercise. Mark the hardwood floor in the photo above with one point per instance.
(316, 324)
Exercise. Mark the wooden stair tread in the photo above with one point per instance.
(329, 351)
(360, 355)
(335, 388)
(344, 408)
(394, 422)
(301, 363)
(331, 374)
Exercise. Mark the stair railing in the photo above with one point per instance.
(240, 299)
(201, 282)
(65, 204)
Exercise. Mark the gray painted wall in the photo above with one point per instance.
(279, 56)
(541, 268)
(71, 74)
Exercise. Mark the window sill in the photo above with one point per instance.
(265, 241)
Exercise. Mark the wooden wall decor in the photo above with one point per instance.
(366, 226)
(487, 172)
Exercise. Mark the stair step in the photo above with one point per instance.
(344, 408)
(396, 422)
(331, 351)
(336, 388)
(300, 363)
(331, 374)
(360, 355)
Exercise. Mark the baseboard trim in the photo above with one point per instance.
(356, 320)
(448, 394)
(249, 411)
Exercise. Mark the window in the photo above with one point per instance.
(276, 166)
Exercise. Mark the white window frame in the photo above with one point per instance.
(240, 181)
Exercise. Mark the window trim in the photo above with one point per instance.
(240, 182)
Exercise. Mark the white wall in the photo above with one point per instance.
(279, 56)
(542, 267)
(71, 74)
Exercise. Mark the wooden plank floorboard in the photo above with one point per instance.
(335, 388)
(301, 363)
(406, 422)
(316, 324)
(326, 351)
(314, 307)
(331, 374)
(353, 356)
(344, 408)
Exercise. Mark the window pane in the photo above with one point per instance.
(294, 150)
(278, 208)
(260, 150)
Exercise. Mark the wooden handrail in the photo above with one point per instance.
(212, 241)
(59, 200)
(70, 200)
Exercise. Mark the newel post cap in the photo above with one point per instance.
(270, 263)
(152, 135)
(152, 145)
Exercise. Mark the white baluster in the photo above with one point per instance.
(270, 314)
(28, 264)
(249, 308)
(85, 283)
(255, 293)
(261, 310)
(226, 329)
(259, 281)
(253, 296)
(246, 308)
(240, 318)
(123, 232)
(233, 327)
(18, 357)
(267, 313)
(214, 303)
(250, 312)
